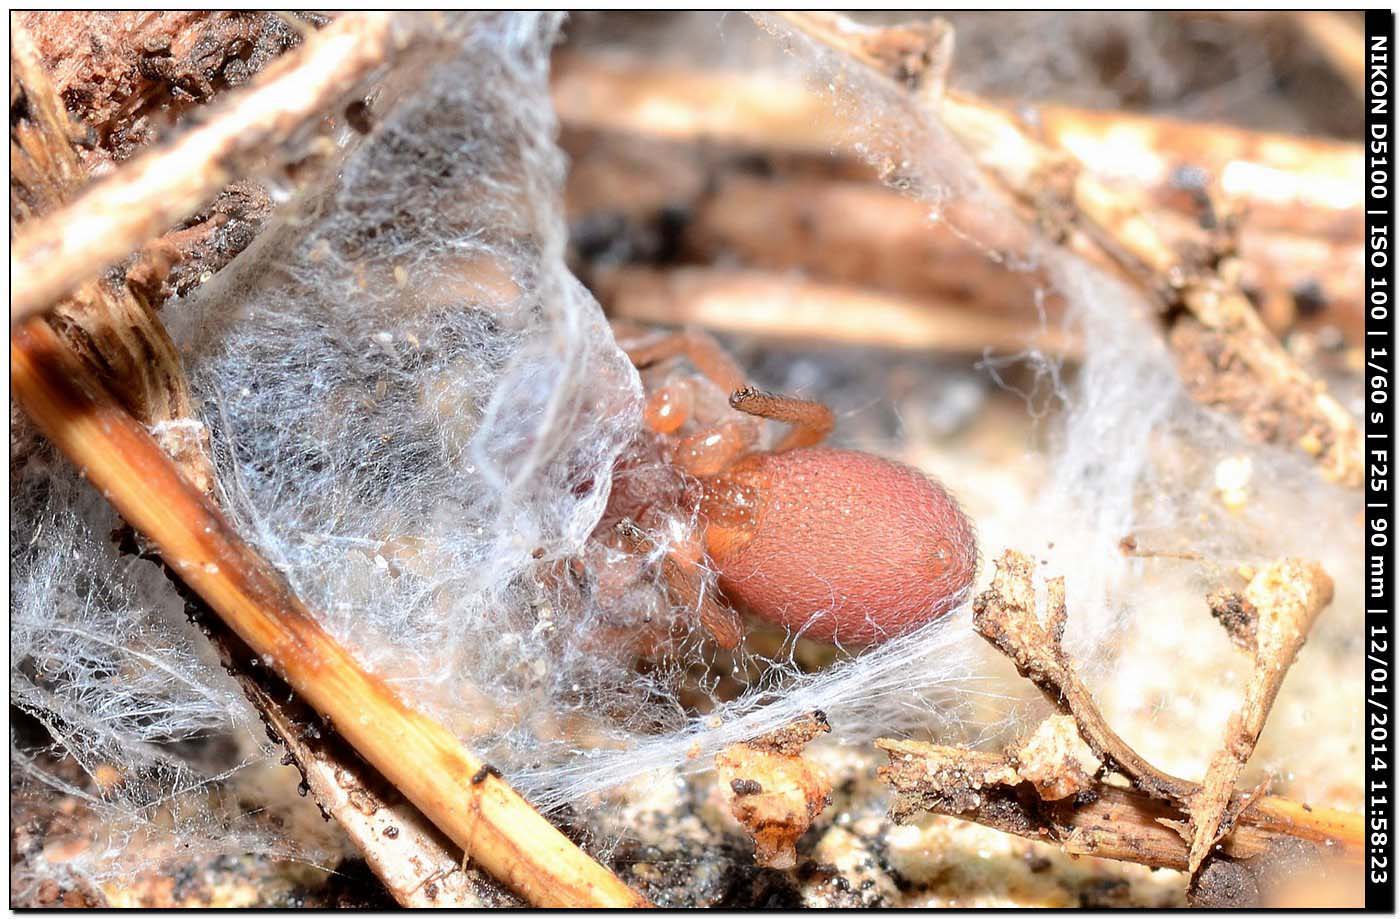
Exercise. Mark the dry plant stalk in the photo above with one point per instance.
(1005, 614)
(1229, 358)
(1156, 822)
(418, 865)
(1295, 185)
(851, 230)
(858, 232)
(1276, 613)
(1339, 39)
(462, 795)
(147, 196)
(774, 306)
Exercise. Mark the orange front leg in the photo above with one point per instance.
(811, 421)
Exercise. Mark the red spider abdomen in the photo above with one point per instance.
(843, 546)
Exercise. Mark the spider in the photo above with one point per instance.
(838, 546)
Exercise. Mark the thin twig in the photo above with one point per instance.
(772, 790)
(1282, 601)
(1006, 615)
(1106, 821)
(144, 198)
(469, 802)
(1051, 789)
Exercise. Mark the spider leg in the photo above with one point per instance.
(681, 571)
(700, 348)
(713, 449)
(811, 421)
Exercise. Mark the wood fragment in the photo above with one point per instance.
(1006, 615)
(149, 194)
(772, 791)
(496, 827)
(1283, 600)
(1055, 759)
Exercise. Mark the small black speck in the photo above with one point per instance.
(357, 115)
(1309, 299)
(484, 773)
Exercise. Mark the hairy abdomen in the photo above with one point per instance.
(840, 546)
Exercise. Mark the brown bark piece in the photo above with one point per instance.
(127, 76)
